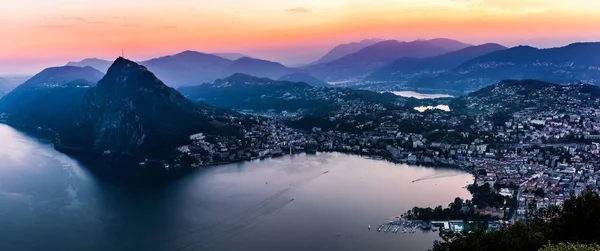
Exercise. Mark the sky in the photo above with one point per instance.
(41, 33)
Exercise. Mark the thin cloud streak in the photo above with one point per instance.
(299, 10)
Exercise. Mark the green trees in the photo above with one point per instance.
(577, 221)
(570, 247)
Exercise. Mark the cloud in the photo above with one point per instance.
(299, 10)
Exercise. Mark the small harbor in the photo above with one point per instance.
(410, 226)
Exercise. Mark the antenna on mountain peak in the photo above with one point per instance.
(122, 53)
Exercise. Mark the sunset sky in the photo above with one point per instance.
(40, 33)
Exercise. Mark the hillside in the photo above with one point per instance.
(579, 62)
(447, 43)
(245, 92)
(187, 68)
(98, 64)
(512, 96)
(543, 228)
(131, 111)
(230, 56)
(305, 78)
(406, 68)
(257, 67)
(50, 98)
(368, 59)
(346, 49)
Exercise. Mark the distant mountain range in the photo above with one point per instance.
(346, 49)
(99, 64)
(305, 78)
(435, 65)
(579, 62)
(230, 56)
(399, 69)
(187, 68)
(257, 67)
(358, 65)
(193, 68)
(51, 97)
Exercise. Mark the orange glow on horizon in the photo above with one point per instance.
(102, 28)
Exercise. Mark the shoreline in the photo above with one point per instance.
(103, 164)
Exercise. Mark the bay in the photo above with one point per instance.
(323, 201)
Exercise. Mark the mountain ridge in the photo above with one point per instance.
(368, 59)
(574, 63)
(448, 61)
(346, 49)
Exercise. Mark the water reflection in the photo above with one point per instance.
(303, 202)
(411, 94)
(439, 107)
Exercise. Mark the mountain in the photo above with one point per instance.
(257, 67)
(254, 94)
(305, 78)
(192, 68)
(448, 44)
(346, 49)
(362, 63)
(579, 62)
(230, 56)
(399, 69)
(56, 76)
(99, 64)
(187, 68)
(130, 111)
(509, 96)
(50, 98)
(242, 91)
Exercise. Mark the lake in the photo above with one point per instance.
(411, 94)
(48, 201)
(438, 107)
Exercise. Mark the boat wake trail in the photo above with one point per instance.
(244, 220)
(435, 176)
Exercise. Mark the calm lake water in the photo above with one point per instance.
(438, 107)
(49, 201)
(411, 94)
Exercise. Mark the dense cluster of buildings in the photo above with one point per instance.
(539, 156)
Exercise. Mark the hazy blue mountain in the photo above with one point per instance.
(305, 78)
(404, 68)
(230, 56)
(242, 91)
(51, 97)
(131, 111)
(257, 67)
(187, 68)
(193, 68)
(99, 64)
(57, 76)
(448, 44)
(362, 63)
(579, 62)
(346, 49)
